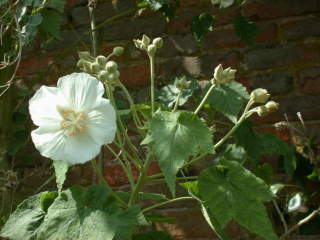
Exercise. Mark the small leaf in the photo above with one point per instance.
(61, 169)
(168, 94)
(176, 137)
(246, 30)
(228, 99)
(201, 25)
(51, 24)
(46, 199)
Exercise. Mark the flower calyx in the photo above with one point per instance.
(223, 75)
(259, 95)
(145, 44)
(267, 108)
(182, 83)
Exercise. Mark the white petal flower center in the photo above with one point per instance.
(74, 122)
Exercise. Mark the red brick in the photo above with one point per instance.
(266, 9)
(310, 81)
(34, 64)
(301, 29)
(135, 76)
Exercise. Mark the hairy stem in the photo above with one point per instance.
(166, 202)
(151, 58)
(177, 101)
(204, 99)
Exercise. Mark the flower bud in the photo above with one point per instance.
(114, 76)
(117, 51)
(101, 60)
(111, 66)
(152, 49)
(85, 55)
(262, 111)
(224, 75)
(182, 83)
(138, 43)
(87, 67)
(260, 95)
(145, 40)
(80, 63)
(103, 75)
(158, 42)
(272, 106)
(95, 67)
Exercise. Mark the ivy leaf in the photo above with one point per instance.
(51, 23)
(168, 94)
(258, 144)
(231, 192)
(245, 29)
(176, 137)
(201, 25)
(61, 169)
(228, 99)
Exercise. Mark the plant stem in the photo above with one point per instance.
(177, 100)
(141, 179)
(300, 223)
(151, 58)
(204, 99)
(91, 9)
(178, 178)
(103, 180)
(280, 215)
(165, 203)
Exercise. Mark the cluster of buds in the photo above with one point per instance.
(261, 95)
(182, 83)
(223, 75)
(100, 66)
(145, 44)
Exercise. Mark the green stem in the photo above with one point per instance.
(151, 58)
(204, 99)
(141, 179)
(177, 101)
(165, 203)
(93, 31)
(280, 215)
(178, 178)
(103, 180)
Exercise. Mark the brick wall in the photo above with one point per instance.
(286, 61)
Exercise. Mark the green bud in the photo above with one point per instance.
(224, 75)
(137, 43)
(95, 67)
(103, 75)
(87, 67)
(111, 66)
(272, 106)
(158, 42)
(80, 63)
(262, 111)
(152, 49)
(145, 40)
(101, 60)
(260, 95)
(117, 51)
(85, 55)
(114, 76)
(182, 83)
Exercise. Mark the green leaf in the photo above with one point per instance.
(160, 218)
(153, 235)
(57, 5)
(60, 169)
(231, 192)
(201, 25)
(144, 196)
(51, 24)
(258, 144)
(245, 29)
(176, 137)
(228, 99)
(30, 29)
(25, 221)
(168, 94)
(46, 199)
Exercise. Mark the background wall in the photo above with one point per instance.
(286, 61)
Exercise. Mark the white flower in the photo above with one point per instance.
(223, 3)
(74, 119)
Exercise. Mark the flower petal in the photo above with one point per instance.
(50, 144)
(101, 123)
(81, 90)
(42, 107)
(80, 149)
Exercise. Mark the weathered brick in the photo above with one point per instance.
(129, 29)
(229, 39)
(178, 45)
(264, 58)
(135, 76)
(35, 64)
(267, 9)
(302, 29)
(310, 80)
(279, 82)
